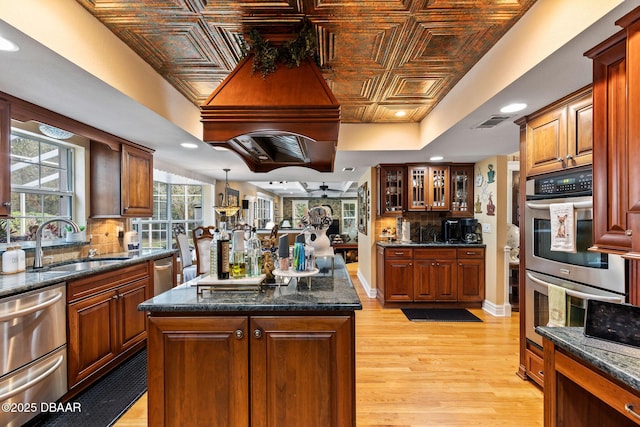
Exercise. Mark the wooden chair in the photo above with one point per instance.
(202, 237)
(188, 269)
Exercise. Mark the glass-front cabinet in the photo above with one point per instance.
(392, 200)
(428, 188)
(461, 190)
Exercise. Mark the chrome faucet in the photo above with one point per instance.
(37, 258)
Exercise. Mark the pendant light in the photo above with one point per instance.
(226, 209)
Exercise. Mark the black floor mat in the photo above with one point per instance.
(440, 315)
(105, 401)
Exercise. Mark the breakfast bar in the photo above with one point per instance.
(280, 355)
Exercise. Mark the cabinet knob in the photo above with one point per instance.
(115, 296)
(628, 232)
(631, 410)
(257, 333)
(6, 204)
(560, 160)
(569, 157)
(239, 334)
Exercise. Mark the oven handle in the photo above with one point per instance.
(21, 313)
(545, 206)
(55, 364)
(577, 294)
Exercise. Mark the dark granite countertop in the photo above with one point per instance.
(11, 284)
(398, 243)
(618, 360)
(327, 293)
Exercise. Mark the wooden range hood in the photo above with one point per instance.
(288, 118)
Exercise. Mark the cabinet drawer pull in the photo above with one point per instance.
(398, 253)
(629, 232)
(239, 334)
(630, 409)
(471, 253)
(257, 333)
(541, 373)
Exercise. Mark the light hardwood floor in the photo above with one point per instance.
(430, 374)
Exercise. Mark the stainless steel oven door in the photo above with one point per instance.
(592, 268)
(537, 301)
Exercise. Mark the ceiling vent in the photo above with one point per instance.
(493, 121)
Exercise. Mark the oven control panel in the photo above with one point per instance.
(580, 182)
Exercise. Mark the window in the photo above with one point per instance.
(174, 205)
(263, 211)
(41, 185)
(349, 218)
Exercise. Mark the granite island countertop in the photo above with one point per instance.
(411, 244)
(327, 292)
(12, 284)
(617, 360)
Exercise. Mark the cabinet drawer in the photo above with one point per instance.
(398, 253)
(435, 253)
(535, 367)
(470, 252)
(100, 282)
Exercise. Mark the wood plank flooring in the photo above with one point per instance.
(412, 374)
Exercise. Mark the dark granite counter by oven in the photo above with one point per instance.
(327, 293)
(11, 284)
(398, 243)
(617, 360)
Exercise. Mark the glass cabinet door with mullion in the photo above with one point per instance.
(417, 194)
(392, 188)
(461, 190)
(439, 188)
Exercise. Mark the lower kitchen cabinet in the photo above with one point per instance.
(104, 325)
(251, 370)
(436, 274)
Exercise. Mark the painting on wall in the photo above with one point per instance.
(363, 208)
(299, 209)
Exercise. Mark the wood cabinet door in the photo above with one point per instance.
(470, 280)
(580, 131)
(137, 182)
(417, 182)
(438, 190)
(461, 184)
(200, 373)
(92, 340)
(380, 274)
(610, 151)
(398, 280)
(443, 275)
(392, 189)
(424, 288)
(5, 161)
(547, 141)
(302, 371)
(132, 326)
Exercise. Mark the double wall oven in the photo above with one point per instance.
(584, 274)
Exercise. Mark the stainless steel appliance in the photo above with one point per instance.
(33, 352)
(451, 230)
(584, 274)
(468, 230)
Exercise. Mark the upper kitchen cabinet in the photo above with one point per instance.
(121, 181)
(461, 190)
(559, 136)
(392, 187)
(428, 188)
(5, 162)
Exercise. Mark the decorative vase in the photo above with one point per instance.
(319, 240)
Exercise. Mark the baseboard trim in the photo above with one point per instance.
(496, 310)
(371, 293)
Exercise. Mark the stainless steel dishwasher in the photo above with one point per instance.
(162, 275)
(33, 352)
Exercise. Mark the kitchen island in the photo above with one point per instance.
(589, 381)
(281, 355)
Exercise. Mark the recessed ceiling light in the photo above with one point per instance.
(436, 158)
(7, 45)
(348, 169)
(513, 108)
(400, 113)
(188, 145)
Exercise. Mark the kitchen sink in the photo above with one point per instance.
(83, 265)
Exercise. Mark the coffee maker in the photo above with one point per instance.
(468, 230)
(451, 230)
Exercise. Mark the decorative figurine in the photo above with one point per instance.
(491, 175)
(491, 208)
(268, 266)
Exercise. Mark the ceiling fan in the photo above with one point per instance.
(323, 189)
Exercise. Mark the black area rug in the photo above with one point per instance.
(106, 400)
(440, 315)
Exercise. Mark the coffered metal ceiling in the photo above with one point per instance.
(378, 57)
